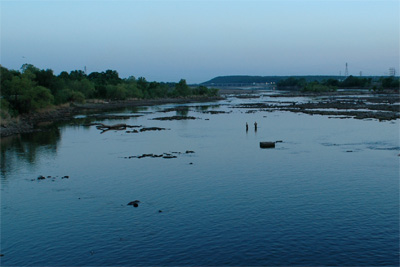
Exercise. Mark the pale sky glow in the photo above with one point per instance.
(198, 40)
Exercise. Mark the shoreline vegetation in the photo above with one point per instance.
(33, 98)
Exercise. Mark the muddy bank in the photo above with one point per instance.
(28, 123)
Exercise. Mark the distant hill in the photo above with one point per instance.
(248, 80)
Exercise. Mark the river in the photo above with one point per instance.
(327, 194)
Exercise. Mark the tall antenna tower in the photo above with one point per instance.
(392, 72)
(346, 71)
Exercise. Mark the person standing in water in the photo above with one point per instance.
(255, 126)
(247, 127)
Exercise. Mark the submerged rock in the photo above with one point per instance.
(152, 129)
(169, 157)
(213, 112)
(164, 155)
(134, 203)
(175, 118)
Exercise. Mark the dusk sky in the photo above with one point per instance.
(199, 40)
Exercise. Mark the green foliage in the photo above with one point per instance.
(36, 98)
(317, 87)
(103, 78)
(84, 86)
(5, 109)
(182, 89)
(390, 82)
(355, 82)
(67, 95)
(292, 82)
(331, 82)
(212, 92)
(77, 75)
(31, 89)
(117, 92)
(204, 91)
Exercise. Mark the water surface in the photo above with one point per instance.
(328, 194)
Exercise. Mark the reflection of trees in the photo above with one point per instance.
(182, 111)
(202, 108)
(26, 148)
(206, 107)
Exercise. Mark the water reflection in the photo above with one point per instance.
(26, 147)
(182, 111)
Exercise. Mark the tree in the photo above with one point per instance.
(390, 82)
(84, 86)
(77, 75)
(36, 98)
(15, 90)
(117, 91)
(355, 82)
(111, 77)
(182, 88)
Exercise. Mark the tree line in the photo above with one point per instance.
(332, 84)
(32, 88)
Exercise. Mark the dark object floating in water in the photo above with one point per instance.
(189, 151)
(41, 177)
(65, 177)
(159, 211)
(134, 203)
(267, 144)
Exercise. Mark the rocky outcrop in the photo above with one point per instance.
(267, 144)
(175, 118)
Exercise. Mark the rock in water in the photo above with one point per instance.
(134, 203)
(267, 144)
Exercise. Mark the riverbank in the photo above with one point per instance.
(32, 122)
(353, 104)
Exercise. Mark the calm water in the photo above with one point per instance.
(327, 195)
